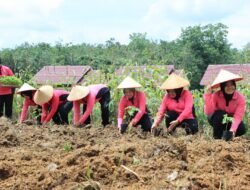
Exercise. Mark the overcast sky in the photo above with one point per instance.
(96, 21)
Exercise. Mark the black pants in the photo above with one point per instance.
(37, 113)
(6, 103)
(104, 95)
(218, 127)
(61, 115)
(145, 122)
(190, 125)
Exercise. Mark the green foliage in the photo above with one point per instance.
(10, 80)
(131, 110)
(200, 46)
(67, 147)
(88, 173)
(227, 119)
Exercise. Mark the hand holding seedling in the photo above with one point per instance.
(154, 126)
(173, 124)
(226, 134)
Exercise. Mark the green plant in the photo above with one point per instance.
(67, 147)
(88, 173)
(130, 111)
(10, 80)
(226, 120)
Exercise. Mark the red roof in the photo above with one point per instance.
(61, 74)
(212, 71)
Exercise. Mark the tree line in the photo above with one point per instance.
(195, 48)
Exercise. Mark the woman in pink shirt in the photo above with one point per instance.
(6, 93)
(177, 106)
(88, 96)
(54, 104)
(27, 92)
(135, 98)
(227, 101)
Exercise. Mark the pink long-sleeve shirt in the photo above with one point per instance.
(90, 100)
(27, 102)
(54, 103)
(5, 71)
(139, 102)
(236, 107)
(183, 107)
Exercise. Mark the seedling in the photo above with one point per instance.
(10, 81)
(88, 173)
(67, 147)
(227, 120)
(130, 112)
(227, 135)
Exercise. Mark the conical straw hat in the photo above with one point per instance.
(25, 87)
(43, 94)
(78, 92)
(128, 82)
(173, 82)
(225, 76)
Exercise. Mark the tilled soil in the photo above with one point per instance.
(65, 157)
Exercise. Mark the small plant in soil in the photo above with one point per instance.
(88, 173)
(130, 112)
(67, 147)
(227, 135)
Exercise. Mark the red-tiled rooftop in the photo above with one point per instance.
(212, 71)
(61, 74)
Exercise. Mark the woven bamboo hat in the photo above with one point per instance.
(78, 92)
(43, 94)
(26, 87)
(173, 82)
(225, 76)
(128, 82)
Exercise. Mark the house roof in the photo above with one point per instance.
(61, 74)
(212, 71)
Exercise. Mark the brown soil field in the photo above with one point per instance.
(66, 157)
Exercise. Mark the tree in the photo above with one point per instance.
(208, 44)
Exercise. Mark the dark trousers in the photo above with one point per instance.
(6, 103)
(218, 127)
(61, 115)
(145, 122)
(190, 125)
(104, 95)
(37, 113)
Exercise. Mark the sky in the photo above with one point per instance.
(96, 21)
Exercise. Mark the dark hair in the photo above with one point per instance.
(228, 97)
(178, 92)
(223, 85)
(27, 93)
(131, 89)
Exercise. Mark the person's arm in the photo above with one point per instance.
(54, 106)
(90, 106)
(142, 109)
(10, 73)
(209, 101)
(121, 109)
(24, 110)
(76, 107)
(161, 112)
(188, 105)
(238, 115)
(44, 112)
